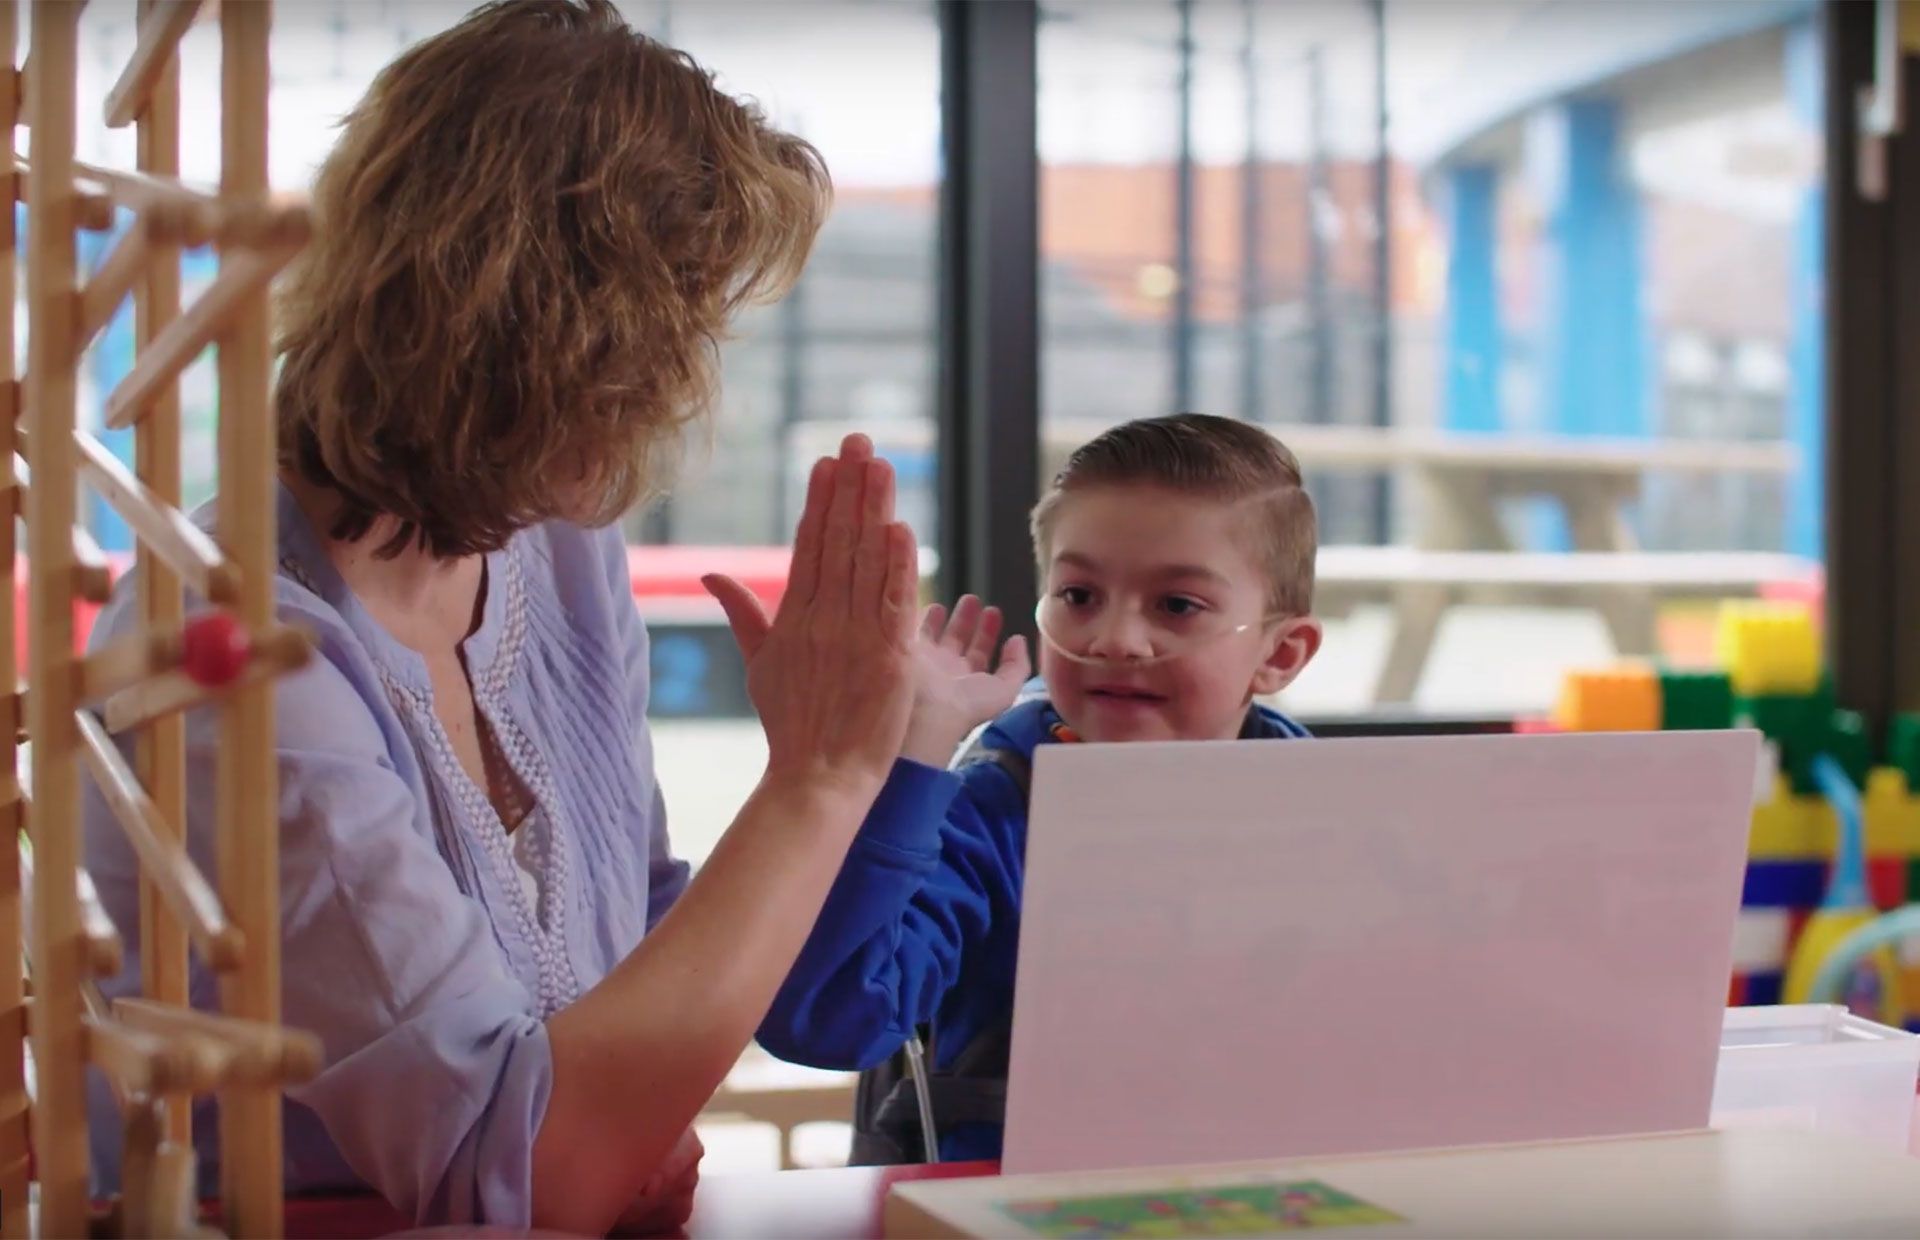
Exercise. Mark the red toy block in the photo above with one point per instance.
(1887, 881)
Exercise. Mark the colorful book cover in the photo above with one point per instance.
(1226, 1210)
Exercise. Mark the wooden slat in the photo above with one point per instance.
(183, 1058)
(162, 26)
(249, 849)
(271, 1053)
(235, 292)
(126, 661)
(92, 573)
(100, 942)
(143, 1131)
(59, 1043)
(176, 214)
(14, 1218)
(162, 528)
(181, 215)
(104, 952)
(175, 1201)
(144, 1063)
(90, 201)
(279, 650)
(160, 751)
(162, 858)
(112, 280)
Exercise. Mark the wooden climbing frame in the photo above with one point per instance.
(222, 654)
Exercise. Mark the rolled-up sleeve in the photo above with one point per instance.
(436, 1068)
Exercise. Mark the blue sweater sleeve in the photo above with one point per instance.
(935, 858)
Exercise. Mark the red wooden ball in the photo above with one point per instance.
(215, 649)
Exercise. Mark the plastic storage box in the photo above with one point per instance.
(1817, 1066)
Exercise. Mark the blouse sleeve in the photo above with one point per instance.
(436, 1069)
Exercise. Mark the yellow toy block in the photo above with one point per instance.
(1768, 648)
(1892, 814)
(1621, 699)
(1792, 828)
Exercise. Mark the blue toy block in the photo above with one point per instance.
(1784, 884)
(1763, 989)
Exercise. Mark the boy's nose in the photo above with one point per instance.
(1121, 634)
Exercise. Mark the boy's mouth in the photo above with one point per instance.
(1125, 694)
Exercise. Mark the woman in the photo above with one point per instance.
(529, 240)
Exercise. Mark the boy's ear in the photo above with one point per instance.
(1294, 645)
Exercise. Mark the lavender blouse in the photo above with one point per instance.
(412, 943)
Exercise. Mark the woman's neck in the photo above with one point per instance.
(418, 596)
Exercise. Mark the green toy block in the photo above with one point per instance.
(1695, 701)
(1804, 726)
(1848, 743)
(1796, 722)
(1903, 748)
(1845, 740)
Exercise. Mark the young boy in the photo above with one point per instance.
(1178, 558)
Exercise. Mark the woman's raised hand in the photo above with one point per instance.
(832, 674)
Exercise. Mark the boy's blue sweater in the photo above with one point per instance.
(922, 925)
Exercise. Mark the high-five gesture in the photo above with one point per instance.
(957, 685)
(831, 674)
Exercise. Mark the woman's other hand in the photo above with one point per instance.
(666, 1201)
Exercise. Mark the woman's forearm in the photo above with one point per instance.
(637, 1057)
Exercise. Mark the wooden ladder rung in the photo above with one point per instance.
(161, 30)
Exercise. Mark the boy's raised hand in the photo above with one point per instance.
(957, 685)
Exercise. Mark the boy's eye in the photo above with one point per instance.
(1181, 607)
(1075, 596)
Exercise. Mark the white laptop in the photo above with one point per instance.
(1273, 949)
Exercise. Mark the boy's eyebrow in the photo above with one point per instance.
(1191, 571)
(1074, 559)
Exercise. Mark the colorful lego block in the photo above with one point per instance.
(1695, 701)
(1787, 827)
(1763, 989)
(1795, 722)
(1887, 882)
(1768, 648)
(1805, 725)
(1620, 699)
(1737, 991)
(1893, 816)
(1784, 884)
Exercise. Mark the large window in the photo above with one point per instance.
(1515, 279)
(1532, 286)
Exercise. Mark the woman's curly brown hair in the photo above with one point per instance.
(528, 244)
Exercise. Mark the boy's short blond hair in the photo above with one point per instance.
(1213, 458)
